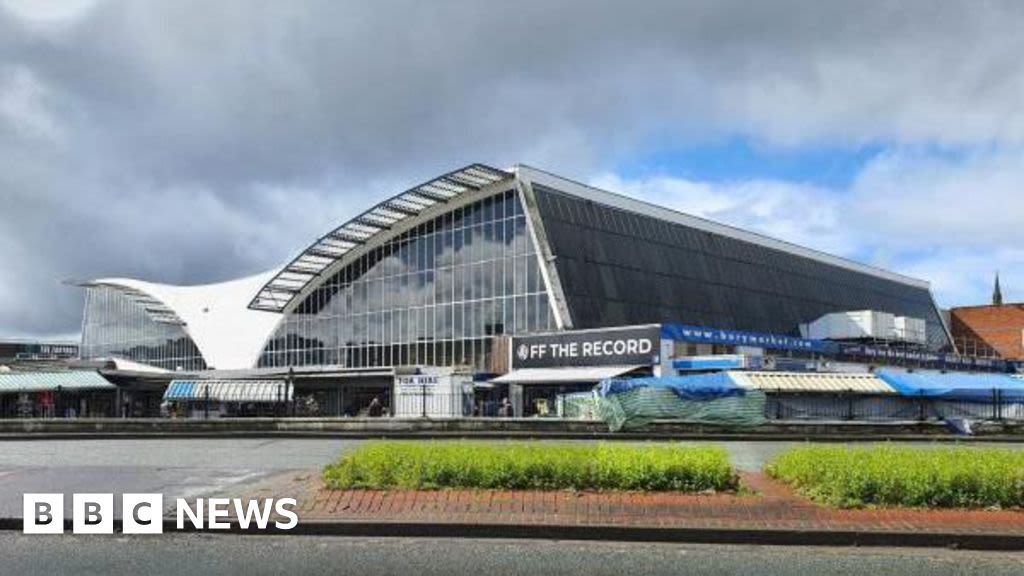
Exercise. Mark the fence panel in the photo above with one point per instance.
(848, 406)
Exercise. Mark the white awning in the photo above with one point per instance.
(863, 383)
(563, 375)
(122, 365)
(229, 390)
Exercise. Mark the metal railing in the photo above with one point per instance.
(993, 406)
(973, 347)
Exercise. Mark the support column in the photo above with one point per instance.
(545, 256)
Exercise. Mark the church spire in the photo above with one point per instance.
(997, 293)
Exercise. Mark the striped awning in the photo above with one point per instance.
(862, 383)
(228, 391)
(12, 382)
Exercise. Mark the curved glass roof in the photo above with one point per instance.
(281, 290)
(156, 309)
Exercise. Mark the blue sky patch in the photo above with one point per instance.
(737, 159)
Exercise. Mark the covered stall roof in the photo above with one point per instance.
(863, 383)
(563, 375)
(954, 385)
(695, 387)
(51, 381)
(813, 382)
(229, 390)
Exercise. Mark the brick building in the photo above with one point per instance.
(995, 328)
(999, 327)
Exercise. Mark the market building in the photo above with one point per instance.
(447, 281)
(27, 351)
(36, 381)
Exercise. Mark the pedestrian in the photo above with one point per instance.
(505, 410)
(376, 409)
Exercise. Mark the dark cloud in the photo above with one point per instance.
(193, 141)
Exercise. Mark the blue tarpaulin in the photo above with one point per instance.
(706, 398)
(954, 386)
(697, 387)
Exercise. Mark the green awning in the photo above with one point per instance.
(14, 382)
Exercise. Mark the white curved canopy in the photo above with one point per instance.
(228, 334)
(283, 288)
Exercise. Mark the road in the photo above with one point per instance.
(251, 555)
(183, 467)
(177, 467)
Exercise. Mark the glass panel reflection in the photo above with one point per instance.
(434, 295)
(117, 325)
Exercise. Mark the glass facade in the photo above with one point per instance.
(117, 325)
(619, 267)
(434, 295)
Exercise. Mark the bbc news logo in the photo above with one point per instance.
(143, 513)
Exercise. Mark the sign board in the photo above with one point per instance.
(417, 381)
(828, 348)
(37, 351)
(437, 395)
(630, 346)
(697, 334)
(922, 358)
(717, 362)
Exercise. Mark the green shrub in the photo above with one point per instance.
(890, 476)
(532, 466)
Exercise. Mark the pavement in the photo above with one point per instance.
(838, 430)
(765, 512)
(256, 555)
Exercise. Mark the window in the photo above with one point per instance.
(117, 325)
(436, 294)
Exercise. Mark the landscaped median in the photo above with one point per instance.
(915, 477)
(532, 466)
(663, 491)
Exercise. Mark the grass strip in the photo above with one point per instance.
(916, 477)
(532, 466)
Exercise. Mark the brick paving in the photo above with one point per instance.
(764, 505)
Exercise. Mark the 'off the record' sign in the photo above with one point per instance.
(631, 346)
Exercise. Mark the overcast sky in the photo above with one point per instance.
(191, 142)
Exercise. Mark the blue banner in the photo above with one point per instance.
(843, 350)
(684, 333)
